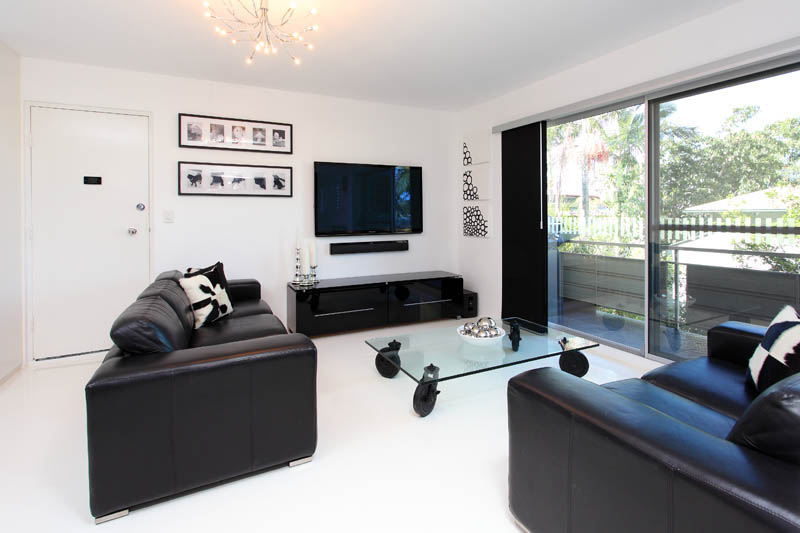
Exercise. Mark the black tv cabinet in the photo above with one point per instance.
(346, 304)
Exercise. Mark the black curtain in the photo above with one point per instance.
(525, 223)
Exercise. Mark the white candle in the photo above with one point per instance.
(312, 251)
(304, 265)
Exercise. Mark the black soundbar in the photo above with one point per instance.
(367, 247)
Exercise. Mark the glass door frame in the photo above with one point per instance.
(652, 167)
(651, 101)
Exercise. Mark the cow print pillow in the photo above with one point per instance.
(778, 355)
(210, 301)
(215, 274)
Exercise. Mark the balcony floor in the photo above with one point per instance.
(585, 317)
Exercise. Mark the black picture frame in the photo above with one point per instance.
(247, 141)
(249, 186)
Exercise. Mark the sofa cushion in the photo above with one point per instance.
(772, 422)
(149, 325)
(237, 329)
(251, 307)
(717, 384)
(678, 407)
(210, 302)
(778, 355)
(172, 293)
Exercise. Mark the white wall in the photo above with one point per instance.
(10, 221)
(741, 28)
(255, 237)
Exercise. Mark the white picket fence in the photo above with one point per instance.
(612, 229)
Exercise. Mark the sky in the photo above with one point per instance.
(778, 97)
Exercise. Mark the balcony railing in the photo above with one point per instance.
(698, 286)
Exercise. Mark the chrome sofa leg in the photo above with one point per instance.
(112, 516)
(302, 461)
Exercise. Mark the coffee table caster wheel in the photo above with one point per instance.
(385, 368)
(574, 363)
(425, 398)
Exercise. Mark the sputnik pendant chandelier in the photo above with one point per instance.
(250, 23)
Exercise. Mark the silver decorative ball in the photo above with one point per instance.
(483, 334)
(494, 332)
(468, 326)
(486, 322)
(475, 330)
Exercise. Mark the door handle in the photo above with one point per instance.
(140, 207)
(132, 231)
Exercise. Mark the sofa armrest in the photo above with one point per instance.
(583, 456)
(242, 290)
(160, 424)
(734, 341)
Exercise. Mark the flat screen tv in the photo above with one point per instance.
(354, 199)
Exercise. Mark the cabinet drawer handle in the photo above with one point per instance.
(431, 302)
(345, 312)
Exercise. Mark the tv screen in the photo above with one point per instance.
(353, 199)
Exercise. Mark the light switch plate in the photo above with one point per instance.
(169, 216)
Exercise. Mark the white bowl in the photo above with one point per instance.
(486, 341)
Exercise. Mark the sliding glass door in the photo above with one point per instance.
(725, 210)
(664, 227)
(596, 209)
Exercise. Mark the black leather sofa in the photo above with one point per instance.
(689, 447)
(228, 399)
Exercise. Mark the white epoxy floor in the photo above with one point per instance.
(378, 466)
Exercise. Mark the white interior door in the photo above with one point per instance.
(90, 225)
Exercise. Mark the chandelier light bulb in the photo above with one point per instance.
(274, 50)
(234, 41)
(248, 60)
(295, 35)
(206, 5)
(310, 46)
(315, 27)
(296, 60)
(207, 13)
(313, 10)
(293, 5)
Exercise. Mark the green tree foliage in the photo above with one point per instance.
(627, 145)
(696, 168)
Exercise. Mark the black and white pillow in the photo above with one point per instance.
(209, 300)
(215, 274)
(778, 355)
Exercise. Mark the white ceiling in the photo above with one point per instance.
(443, 54)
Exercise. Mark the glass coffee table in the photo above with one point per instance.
(436, 355)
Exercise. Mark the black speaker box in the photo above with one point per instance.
(469, 308)
(368, 247)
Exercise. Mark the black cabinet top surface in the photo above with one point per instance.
(377, 280)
